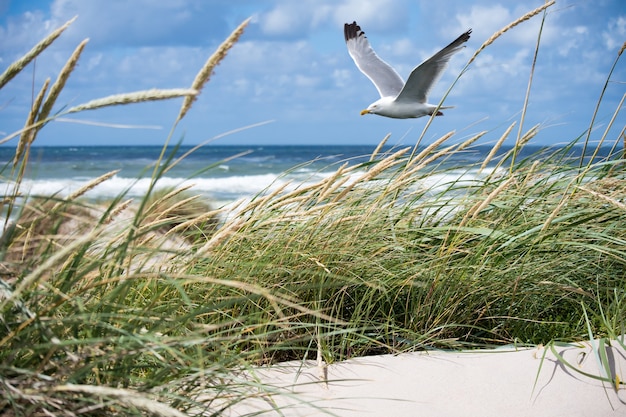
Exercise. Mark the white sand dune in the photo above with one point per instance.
(501, 382)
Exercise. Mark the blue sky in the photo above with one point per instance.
(291, 67)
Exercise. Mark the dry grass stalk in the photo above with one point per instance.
(380, 146)
(263, 200)
(496, 147)
(136, 97)
(207, 70)
(415, 168)
(117, 210)
(211, 215)
(325, 184)
(471, 140)
(475, 211)
(124, 396)
(91, 184)
(16, 67)
(173, 193)
(335, 186)
(508, 27)
(383, 165)
(531, 133)
(621, 50)
(295, 196)
(58, 85)
(223, 234)
(328, 182)
(530, 175)
(294, 202)
(167, 211)
(604, 197)
(617, 111)
(552, 216)
(430, 148)
(28, 134)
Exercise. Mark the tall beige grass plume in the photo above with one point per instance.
(58, 85)
(28, 133)
(16, 67)
(134, 97)
(207, 70)
(510, 26)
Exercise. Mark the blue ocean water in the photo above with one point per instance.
(224, 173)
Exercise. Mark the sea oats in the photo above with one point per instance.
(135, 97)
(471, 140)
(28, 134)
(171, 194)
(329, 181)
(531, 133)
(496, 147)
(58, 85)
(604, 197)
(134, 399)
(474, 211)
(207, 70)
(223, 234)
(21, 63)
(430, 148)
(383, 165)
(259, 202)
(117, 210)
(414, 168)
(566, 196)
(508, 27)
(91, 184)
(195, 221)
(379, 147)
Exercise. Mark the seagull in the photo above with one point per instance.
(399, 100)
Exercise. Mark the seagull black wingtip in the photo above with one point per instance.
(351, 31)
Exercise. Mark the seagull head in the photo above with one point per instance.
(378, 107)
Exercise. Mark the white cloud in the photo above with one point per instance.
(573, 40)
(21, 33)
(342, 77)
(374, 14)
(117, 23)
(615, 35)
(289, 18)
(486, 20)
(403, 47)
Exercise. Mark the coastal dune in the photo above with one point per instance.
(502, 382)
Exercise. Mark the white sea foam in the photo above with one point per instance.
(219, 189)
(224, 191)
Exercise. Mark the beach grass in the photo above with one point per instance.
(159, 306)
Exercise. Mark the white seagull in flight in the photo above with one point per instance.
(398, 99)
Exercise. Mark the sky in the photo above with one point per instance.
(291, 72)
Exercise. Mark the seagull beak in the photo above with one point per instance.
(364, 112)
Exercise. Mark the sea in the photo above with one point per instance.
(223, 173)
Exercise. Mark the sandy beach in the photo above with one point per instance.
(502, 382)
